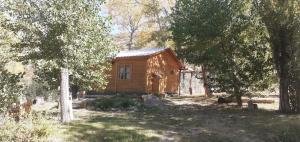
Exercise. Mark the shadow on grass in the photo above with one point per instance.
(188, 122)
(91, 132)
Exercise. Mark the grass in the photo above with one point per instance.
(183, 123)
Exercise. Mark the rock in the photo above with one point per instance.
(82, 104)
(152, 101)
(90, 107)
(222, 100)
(79, 104)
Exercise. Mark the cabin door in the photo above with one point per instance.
(155, 84)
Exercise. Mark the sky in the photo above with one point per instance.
(114, 28)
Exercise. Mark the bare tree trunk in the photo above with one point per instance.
(133, 28)
(66, 103)
(163, 36)
(130, 40)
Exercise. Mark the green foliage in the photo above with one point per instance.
(10, 87)
(59, 34)
(10, 90)
(282, 20)
(41, 89)
(115, 102)
(228, 38)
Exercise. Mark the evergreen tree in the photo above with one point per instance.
(228, 38)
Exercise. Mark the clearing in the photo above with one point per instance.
(184, 119)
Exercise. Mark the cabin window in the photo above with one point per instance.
(124, 72)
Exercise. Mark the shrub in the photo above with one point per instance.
(10, 90)
(115, 102)
(33, 128)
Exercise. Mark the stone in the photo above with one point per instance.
(152, 101)
(80, 104)
(222, 100)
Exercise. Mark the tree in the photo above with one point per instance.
(297, 74)
(10, 90)
(141, 23)
(128, 16)
(10, 87)
(158, 14)
(228, 39)
(64, 36)
(282, 19)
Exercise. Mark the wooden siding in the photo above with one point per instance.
(141, 79)
(167, 67)
(136, 83)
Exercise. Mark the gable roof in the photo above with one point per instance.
(145, 52)
(140, 52)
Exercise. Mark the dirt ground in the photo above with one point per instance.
(185, 119)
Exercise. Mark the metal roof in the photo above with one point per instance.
(140, 52)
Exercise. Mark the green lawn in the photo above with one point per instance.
(184, 123)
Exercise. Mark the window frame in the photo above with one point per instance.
(126, 74)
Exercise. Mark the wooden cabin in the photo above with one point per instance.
(150, 71)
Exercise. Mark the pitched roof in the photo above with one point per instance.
(140, 52)
(147, 52)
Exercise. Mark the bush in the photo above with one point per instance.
(115, 102)
(34, 128)
(10, 90)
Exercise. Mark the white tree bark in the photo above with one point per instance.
(65, 99)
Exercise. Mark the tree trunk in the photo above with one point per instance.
(205, 84)
(284, 103)
(130, 40)
(190, 85)
(239, 100)
(66, 103)
(298, 94)
(238, 96)
(283, 56)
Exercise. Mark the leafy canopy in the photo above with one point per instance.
(228, 38)
(57, 34)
